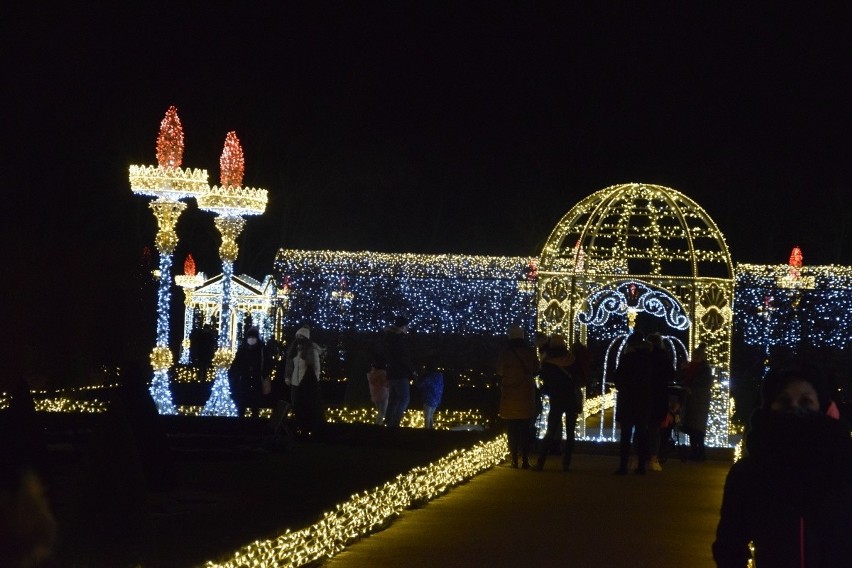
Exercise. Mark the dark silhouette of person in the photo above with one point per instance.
(202, 347)
(633, 402)
(250, 367)
(562, 387)
(791, 495)
(662, 375)
(400, 369)
(697, 380)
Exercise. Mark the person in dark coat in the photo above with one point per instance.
(662, 375)
(251, 366)
(791, 496)
(561, 383)
(400, 369)
(633, 402)
(697, 380)
(202, 347)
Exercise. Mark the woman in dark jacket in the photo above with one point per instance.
(562, 386)
(792, 495)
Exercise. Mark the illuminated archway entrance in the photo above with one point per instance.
(663, 243)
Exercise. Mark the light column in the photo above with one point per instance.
(169, 184)
(230, 203)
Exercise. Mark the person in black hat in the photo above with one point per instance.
(400, 370)
(633, 403)
(791, 496)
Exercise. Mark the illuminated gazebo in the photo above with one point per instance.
(640, 252)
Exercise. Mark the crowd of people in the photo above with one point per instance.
(646, 410)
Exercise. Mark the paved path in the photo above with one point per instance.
(587, 517)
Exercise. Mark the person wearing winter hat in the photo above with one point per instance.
(301, 373)
(517, 367)
(791, 496)
(562, 386)
(400, 370)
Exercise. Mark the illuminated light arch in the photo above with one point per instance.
(650, 236)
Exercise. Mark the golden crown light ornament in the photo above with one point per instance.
(168, 183)
(230, 202)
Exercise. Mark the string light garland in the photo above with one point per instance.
(168, 184)
(367, 512)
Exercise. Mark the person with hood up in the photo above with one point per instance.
(560, 382)
(517, 367)
(791, 496)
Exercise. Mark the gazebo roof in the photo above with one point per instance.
(639, 230)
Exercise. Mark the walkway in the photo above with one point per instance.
(587, 517)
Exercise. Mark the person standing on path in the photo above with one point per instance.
(432, 386)
(633, 402)
(377, 377)
(301, 374)
(401, 370)
(697, 379)
(562, 387)
(517, 367)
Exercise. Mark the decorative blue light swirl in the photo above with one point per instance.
(606, 302)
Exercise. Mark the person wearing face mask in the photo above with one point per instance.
(791, 496)
(248, 371)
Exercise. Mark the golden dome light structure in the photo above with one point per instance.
(633, 251)
(230, 202)
(168, 183)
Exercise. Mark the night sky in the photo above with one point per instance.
(405, 127)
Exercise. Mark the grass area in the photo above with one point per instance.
(216, 486)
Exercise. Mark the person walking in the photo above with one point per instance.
(633, 401)
(791, 495)
(517, 367)
(250, 368)
(377, 378)
(301, 374)
(562, 386)
(432, 387)
(400, 370)
(697, 380)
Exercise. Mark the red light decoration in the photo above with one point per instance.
(170, 140)
(189, 265)
(232, 163)
(796, 258)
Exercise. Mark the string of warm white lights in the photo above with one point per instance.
(368, 511)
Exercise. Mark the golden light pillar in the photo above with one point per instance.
(230, 202)
(168, 183)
